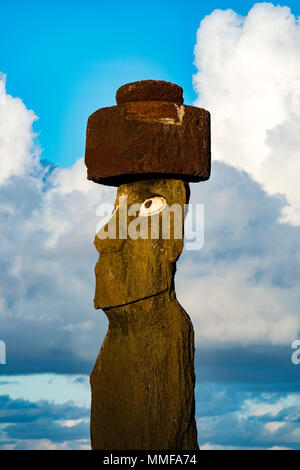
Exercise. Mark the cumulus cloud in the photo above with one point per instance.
(18, 152)
(249, 78)
(242, 287)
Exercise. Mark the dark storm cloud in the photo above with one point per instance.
(25, 420)
(25, 411)
(46, 429)
(257, 367)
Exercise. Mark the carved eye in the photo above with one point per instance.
(151, 206)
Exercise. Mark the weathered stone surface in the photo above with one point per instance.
(143, 379)
(146, 90)
(143, 139)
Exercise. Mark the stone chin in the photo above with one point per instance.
(98, 304)
(144, 279)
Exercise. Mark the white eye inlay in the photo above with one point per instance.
(151, 206)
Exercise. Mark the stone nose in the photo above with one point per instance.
(112, 236)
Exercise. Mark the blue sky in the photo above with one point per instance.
(62, 60)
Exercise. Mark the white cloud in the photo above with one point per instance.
(263, 408)
(227, 309)
(208, 446)
(69, 423)
(17, 149)
(279, 448)
(243, 286)
(68, 207)
(274, 426)
(249, 79)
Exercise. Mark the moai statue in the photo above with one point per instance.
(150, 146)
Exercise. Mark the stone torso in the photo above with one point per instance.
(143, 379)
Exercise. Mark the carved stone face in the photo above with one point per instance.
(131, 269)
